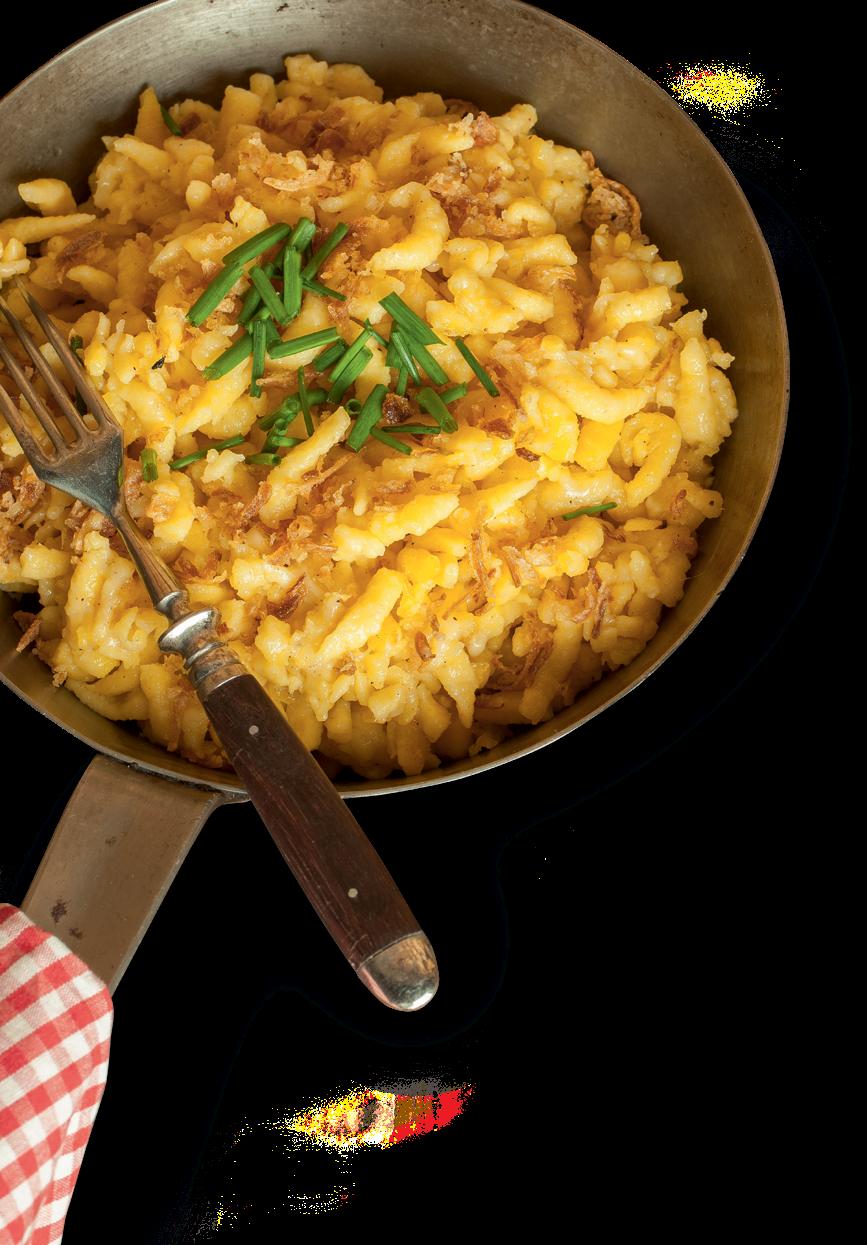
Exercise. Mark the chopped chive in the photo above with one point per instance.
(282, 416)
(318, 258)
(250, 305)
(574, 514)
(177, 463)
(259, 345)
(403, 353)
(389, 440)
(296, 345)
(431, 402)
(477, 367)
(76, 343)
(230, 358)
(315, 288)
(392, 358)
(263, 460)
(346, 359)
(452, 394)
(304, 399)
(368, 416)
(272, 333)
(402, 378)
(155, 367)
(350, 374)
(289, 408)
(302, 234)
(170, 123)
(428, 362)
(416, 430)
(257, 244)
(149, 465)
(253, 298)
(323, 361)
(214, 294)
(353, 406)
(383, 341)
(412, 324)
(277, 438)
(269, 295)
(291, 282)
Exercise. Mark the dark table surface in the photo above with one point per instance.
(619, 962)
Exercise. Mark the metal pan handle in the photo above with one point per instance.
(122, 838)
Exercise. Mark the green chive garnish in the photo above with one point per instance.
(412, 324)
(253, 298)
(269, 296)
(452, 395)
(230, 358)
(402, 378)
(309, 341)
(350, 374)
(383, 341)
(323, 361)
(259, 345)
(263, 460)
(315, 288)
(368, 416)
(277, 438)
(318, 258)
(417, 430)
(302, 234)
(431, 402)
(289, 408)
(170, 123)
(149, 465)
(392, 441)
(353, 406)
(214, 294)
(272, 335)
(574, 514)
(291, 282)
(177, 463)
(304, 399)
(406, 360)
(477, 367)
(428, 362)
(257, 244)
(346, 359)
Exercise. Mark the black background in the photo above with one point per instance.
(628, 923)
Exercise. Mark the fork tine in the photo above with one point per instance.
(33, 400)
(82, 381)
(15, 420)
(46, 371)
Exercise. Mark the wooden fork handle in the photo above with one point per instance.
(324, 846)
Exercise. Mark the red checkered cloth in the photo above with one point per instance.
(55, 1026)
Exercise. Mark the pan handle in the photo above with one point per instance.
(122, 838)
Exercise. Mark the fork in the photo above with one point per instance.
(335, 864)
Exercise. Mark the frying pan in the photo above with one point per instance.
(138, 809)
